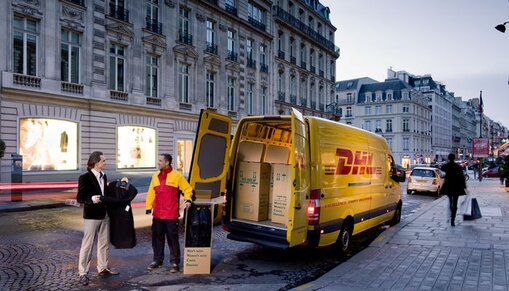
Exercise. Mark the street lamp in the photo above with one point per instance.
(501, 27)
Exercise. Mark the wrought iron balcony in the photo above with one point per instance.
(230, 9)
(154, 26)
(281, 54)
(293, 99)
(333, 109)
(211, 48)
(119, 12)
(251, 63)
(264, 68)
(256, 23)
(231, 56)
(281, 96)
(303, 65)
(214, 2)
(77, 2)
(290, 20)
(293, 60)
(185, 38)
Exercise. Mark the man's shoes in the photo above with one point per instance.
(107, 272)
(452, 223)
(174, 268)
(84, 280)
(154, 265)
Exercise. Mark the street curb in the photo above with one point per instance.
(33, 207)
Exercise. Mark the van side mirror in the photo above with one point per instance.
(398, 175)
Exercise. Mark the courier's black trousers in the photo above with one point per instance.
(168, 228)
(453, 204)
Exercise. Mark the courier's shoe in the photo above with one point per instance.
(154, 265)
(84, 280)
(106, 272)
(174, 268)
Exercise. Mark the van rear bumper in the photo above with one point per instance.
(266, 236)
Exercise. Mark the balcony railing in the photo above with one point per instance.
(303, 65)
(185, 38)
(281, 96)
(119, 12)
(299, 25)
(77, 2)
(256, 23)
(293, 60)
(214, 2)
(230, 9)
(71, 88)
(281, 54)
(251, 63)
(27, 80)
(211, 48)
(153, 101)
(264, 68)
(231, 56)
(154, 26)
(293, 99)
(118, 95)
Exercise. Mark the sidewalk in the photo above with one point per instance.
(426, 253)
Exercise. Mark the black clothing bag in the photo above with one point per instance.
(475, 212)
(118, 197)
(198, 226)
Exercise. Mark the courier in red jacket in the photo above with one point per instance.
(163, 203)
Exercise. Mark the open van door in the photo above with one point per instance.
(299, 160)
(210, 159)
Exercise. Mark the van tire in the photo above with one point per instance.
(397, 216)
(344, 241)
(408, 192)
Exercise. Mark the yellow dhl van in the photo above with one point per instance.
(294, 180)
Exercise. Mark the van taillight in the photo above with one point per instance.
(434, 182)
(313, 211)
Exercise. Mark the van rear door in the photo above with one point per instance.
(210, 158)
(297, 216)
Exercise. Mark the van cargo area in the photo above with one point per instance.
(261, 184)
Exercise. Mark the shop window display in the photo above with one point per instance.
(136, 147)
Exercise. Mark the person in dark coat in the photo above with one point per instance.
(454, 185)
(118, 197)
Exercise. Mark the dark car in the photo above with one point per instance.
(491, 173)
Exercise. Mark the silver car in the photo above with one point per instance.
(425, 179)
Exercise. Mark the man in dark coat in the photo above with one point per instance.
(454, 185)
(118, 197)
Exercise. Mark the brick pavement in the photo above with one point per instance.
(424, 252)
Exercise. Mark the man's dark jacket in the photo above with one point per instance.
(88, 186)
(454, 184)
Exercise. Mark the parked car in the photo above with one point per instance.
(425, 179)
(412, 167)
(491, 173)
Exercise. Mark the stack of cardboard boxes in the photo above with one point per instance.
(263, 192)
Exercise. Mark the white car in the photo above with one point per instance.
(425, 179)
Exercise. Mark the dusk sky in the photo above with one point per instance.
(452, 40)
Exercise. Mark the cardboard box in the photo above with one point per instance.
(252, 191)
(281, 191)
(197, 260)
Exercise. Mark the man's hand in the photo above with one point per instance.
(96, 199)
(188, 204)
(148, 211)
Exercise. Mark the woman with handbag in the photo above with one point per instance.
(454, 185)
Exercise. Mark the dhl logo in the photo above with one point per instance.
(360, 163)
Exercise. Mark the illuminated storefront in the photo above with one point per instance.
(136, 147)
(48, 144)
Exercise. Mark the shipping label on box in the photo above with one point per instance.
(281, 190)
(197, 260)
(252, 191)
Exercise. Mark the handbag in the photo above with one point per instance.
(475, 211)
(466, 205)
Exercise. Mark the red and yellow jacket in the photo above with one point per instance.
(163, 196)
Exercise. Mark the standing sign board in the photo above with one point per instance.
(481, 147)
(198, 238)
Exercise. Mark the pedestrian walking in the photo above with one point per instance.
(91, 187)
(475, 168)
(163, 202)
(454, 184)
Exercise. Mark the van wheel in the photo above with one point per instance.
(345, 237)
(408, 192)
(397, 216)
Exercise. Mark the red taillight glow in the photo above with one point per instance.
(434, 182)
(313, 211)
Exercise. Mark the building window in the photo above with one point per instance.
(389, 96)
(281, 44)
(281, 84)
(184, 156)
(231, 41)
(389, 142)
(378, 110)
(320, 63)
(292, 50)
(349, 97)
(26, 33)
(388, 109)
(152, 67)
(250, 87)
(256, 16)
(263, 58)
(312, 60)
(367, 110)
(388, 125)
(183, 82)
(152, 16)
(117, 67)
(405, 95)
(70, 56)
(348, 111)
(263, 100)
(210, 89)
(406, 108)
(231, 94)
(406, 143)
(367, 125)
(211, 33)
(303, 55)
(406, 126)
(378, 125)
(183, 22)
(249, 53)
(136, 147)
